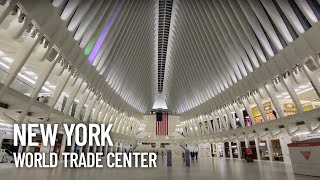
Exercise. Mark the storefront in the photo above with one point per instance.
(242, 147)
(289, 109)
(257, 117)
(227, 149)
(204, 150)
(214, 150)
(277, 152)
(263, 149)
(270, 111)
(234, 150)
(247, 120)
(236, 119)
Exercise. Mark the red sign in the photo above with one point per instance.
(248, 151)
(306, 154)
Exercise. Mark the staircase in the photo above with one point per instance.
(183, 145)
(7, 153)
(133, 148)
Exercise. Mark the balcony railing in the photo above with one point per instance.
(22, 87)
(3, 75)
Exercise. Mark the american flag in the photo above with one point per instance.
(162, 124)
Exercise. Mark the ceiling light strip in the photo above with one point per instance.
(105, 31)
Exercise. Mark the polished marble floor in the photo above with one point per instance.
(203, 169)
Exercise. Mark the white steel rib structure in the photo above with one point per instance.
(229, 71)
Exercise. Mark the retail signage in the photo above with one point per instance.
(306, 154)
(305, 157)
(289, 107)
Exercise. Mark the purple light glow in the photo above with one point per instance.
(105, 31)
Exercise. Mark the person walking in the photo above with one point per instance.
(196, 154)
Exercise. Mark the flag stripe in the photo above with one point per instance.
(162, 127)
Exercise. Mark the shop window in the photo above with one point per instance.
(257, 117)
(225, 119)
(247, 120)
(73, 108)
(237, 120)
(253, 146)
(234, 150)
(226, 149)
(212, 123)
(270, 111)
(263, 149)
(308, 97)
(206, 126)
(277, 152)
(243, 149)
(284, 99)
(219, 125)
(289, 108)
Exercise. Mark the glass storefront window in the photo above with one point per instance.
(256, 115)
(284, 99)
(236, 119)
(270, 111)
(308, 97)
(247, 120)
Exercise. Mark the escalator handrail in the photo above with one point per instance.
(7, 149)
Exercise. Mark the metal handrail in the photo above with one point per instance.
(6, 148)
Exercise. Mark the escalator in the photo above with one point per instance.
(9, 149)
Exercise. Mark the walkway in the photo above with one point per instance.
(203, 169)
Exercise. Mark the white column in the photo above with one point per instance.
(73, 144)
(223, 150)
(284, 141)
(63, 146)
(239, 149)
(230, 149)
(246, 141)
(269, 89)
(270, 149)
(256, 140)
(217, 150)
(288, 84)
(246, 104)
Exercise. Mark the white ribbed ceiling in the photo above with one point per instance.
(217, 43)
(192, 50)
